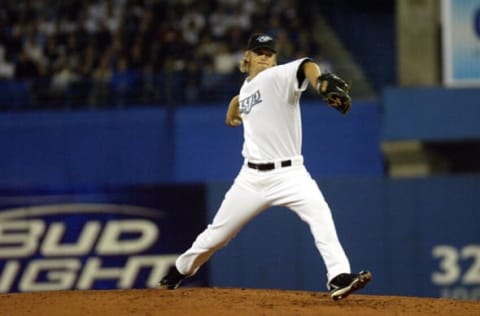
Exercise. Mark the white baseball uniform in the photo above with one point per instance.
(270, 111)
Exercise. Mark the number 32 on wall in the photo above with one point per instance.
(450, 265)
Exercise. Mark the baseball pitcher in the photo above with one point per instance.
(273, 173)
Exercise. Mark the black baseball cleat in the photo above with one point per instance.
(172, 279)
(345, 284)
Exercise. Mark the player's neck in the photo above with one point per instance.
(250, 77)
(252, 74)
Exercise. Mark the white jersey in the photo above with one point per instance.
(270, 111)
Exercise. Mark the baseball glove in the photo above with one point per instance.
(335, 91)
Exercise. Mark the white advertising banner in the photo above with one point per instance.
(461, 42)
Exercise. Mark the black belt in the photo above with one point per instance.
(268, 166)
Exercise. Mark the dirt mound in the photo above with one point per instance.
(223, 301)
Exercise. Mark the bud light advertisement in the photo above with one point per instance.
(97, 238)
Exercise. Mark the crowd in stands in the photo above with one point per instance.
(96, 53)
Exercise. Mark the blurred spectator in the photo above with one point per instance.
(123, 78)
(67, 25)
(101, 77)
(240, 19)
(46, 24)
(137, 55)
(224, 61)
(25, 67)
(53, 51)
(96, 16)
(7, 68)
(112, 17)
(219, 22)
(61, 79)
(192, 24)
(285, 49)
(33, 49)
(149, 84)
(207, 47)
(211, 81)
(192, 82)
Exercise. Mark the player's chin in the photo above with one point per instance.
(264, 66)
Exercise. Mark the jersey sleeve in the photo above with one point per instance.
(284, 78)
(287, 73)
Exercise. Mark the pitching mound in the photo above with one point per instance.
(224, 301)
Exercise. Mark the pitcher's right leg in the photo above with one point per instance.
(239, 206)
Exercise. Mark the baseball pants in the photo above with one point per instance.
(254, 191)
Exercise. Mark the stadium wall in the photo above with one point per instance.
(155, 145)
(430, 114)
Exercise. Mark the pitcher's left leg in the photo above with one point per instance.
(302, 195)
(308, 202)
(315, 211)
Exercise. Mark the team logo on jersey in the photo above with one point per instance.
(248, 103)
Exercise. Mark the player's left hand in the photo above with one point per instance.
(335, 91)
